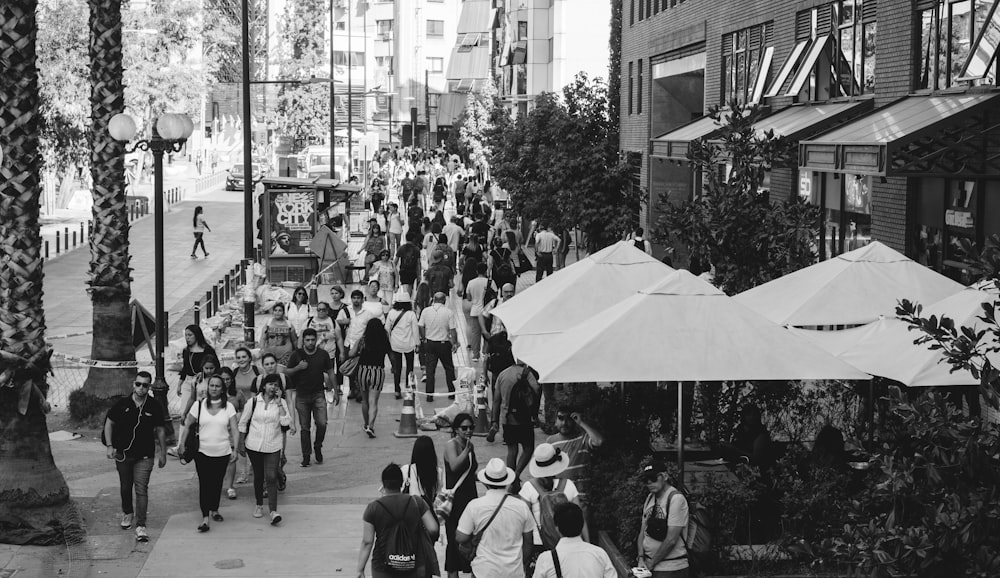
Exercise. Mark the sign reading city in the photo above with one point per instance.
(292, 221)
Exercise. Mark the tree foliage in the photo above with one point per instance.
(303, 111)
(732, 224)
(222, 38)
(476, 123)
(63, 84)
(615, 72)
(561, 167)
(158, 75)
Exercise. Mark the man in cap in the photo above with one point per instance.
(505, 523)
(439, 340)
(660, 544)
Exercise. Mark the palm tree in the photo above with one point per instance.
(31, 483)
(110, 274)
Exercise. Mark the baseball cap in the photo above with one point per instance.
(652, 471)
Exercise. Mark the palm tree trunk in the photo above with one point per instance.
(110, 274)
(32, 488)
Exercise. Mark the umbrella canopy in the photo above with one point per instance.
(850, 289)
(579, 291)
(889, 351)
(681, 329)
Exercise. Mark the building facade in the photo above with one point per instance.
(893, 105)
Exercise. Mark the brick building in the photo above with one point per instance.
(893, 104)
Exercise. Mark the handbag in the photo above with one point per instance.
(349, 367)
(192, 442)
(445, 499)
(524, 264)
(468, 549)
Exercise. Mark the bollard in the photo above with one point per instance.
(74, 239)
(197, 312)
(66, 237)
(81, 233)
(57, 242)
(46, 249)
(244, 264)
(208, 304)
(215, 299)
(228, 287)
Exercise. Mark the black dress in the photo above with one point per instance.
(453, 561)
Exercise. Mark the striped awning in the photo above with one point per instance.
(450, 106)
(469, 64)
(477, 16)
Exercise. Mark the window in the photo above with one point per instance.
(340, 25)
(384, 62)
(384, 27)
(467, 41)
(642, 9)
(854, 67)
(435, 65)
(630, 80)
(631, 12)
(340, 58)
(948, 31)
(638, 104)
(746, 63)
(522, 29)
(435, 28)
(522, 79)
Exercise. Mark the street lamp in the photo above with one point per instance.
(170, 132)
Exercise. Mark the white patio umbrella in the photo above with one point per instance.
(889, 351)
(681, 329)
(579, 291)
(853, 288)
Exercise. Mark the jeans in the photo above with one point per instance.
(543, 265)
(475, 335)
(265, 469)
(211, 471)
(439, 351)
(396, 361)
(135, 474)
(311, 405)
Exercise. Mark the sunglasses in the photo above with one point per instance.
(141, 384)
(322, 309)
(466, 427)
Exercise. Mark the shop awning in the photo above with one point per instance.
(449, 107)
(674, 145)
(469, 64)
(800, 121)
(916, 136)
(477, 16)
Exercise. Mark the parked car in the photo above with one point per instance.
(234, 181)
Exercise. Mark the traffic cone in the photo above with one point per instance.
(482, 418)
(408, 417)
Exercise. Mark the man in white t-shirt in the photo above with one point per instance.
(476, 293)
(505, 547)
(663, 552)
(576, 558)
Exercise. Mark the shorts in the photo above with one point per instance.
(518, 435)
(407, 277)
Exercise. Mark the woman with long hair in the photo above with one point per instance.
(217, 435)
(422, 300)
(423, 477)
(372, 350)
(200, 226)
(237, 397)
(195, 388)
(278, 336)
(459, 472)
(298, 311)
(261, 438)
(404, 336)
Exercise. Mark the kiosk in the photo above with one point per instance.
(293, 212)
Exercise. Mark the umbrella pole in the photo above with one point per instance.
(680, 433)
(871, 410)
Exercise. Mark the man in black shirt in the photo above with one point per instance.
(311, 370)
(133, 430)
(481, 228)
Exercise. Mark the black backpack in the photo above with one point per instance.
(639, 245)
(400, 543)
(522, 405)
(504, 269)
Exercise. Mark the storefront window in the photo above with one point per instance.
(927, 246)
(947, 32)
(846, 215)
(744, 65)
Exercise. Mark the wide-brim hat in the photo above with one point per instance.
(496, 473)
(548, 461)
(402, 297)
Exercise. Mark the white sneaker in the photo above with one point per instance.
(258, 512)
(140, 534)
(275, 518)
(126, 521)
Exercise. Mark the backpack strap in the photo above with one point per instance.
(666, 513)
(555, 563)
(495, 512)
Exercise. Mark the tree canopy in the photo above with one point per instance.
(561, 166)
(303, 110)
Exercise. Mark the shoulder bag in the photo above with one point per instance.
(468, 549)
(445, 499)
(349, 367)
(192, 442)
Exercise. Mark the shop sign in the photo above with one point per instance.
(805, 186)
(292, 221)
(962, 219)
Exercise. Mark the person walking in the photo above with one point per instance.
(476, 294)
(439, 338)
(422, 477)
(371, 350)
(237, 398)
(501, 264)
(512, 405)
(404, 337)
(546, 243)
(389, 515)
(217, 436)
(505, 525)
(278, 336)
(573, 557)
(408, 263)
(260, 428)
(459, 466)
(661, 546)
(298, 312)
(394, 223)
(196, 391)
(200, 226)
(134, 434)
(373, 245)
(384, 270)
(311, 373)
(195, 350)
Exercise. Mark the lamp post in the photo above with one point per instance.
(170, 132)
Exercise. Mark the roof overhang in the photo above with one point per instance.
(675, 144)
(956, 135)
